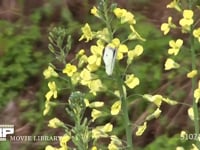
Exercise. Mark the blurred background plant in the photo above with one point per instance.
(24, 30)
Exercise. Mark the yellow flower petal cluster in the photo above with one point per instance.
(165, 27)
(85, 76)
(192, 74)
(49, 72)
(101, 131)
(95, 85)
(134, 35)
(69, 69)
(115, 143)
(124, 15)
(196, 33)
(156, 99)
(174, 4)
(132, 81)
(175, 46)
(137, 51)
(95, 114)
(187, 20)
(141, 129)
(63, 141)
(116, 107)
(191, 113)
(87, 33)
(55, 123)
(95, 104)
(94, 11)
(197, 93)
(52, 92)
(94, 61)
(47, 108)
(171, 64)
(155, 114)
(194, 147)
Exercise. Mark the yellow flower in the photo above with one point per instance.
(192, 74)
(95, 104)
(141, 129)
(82, 60)
(156, 99)
(85, 76)
(69, 69)
(174, 4)
(113, 146)
(191, 113)
(132, 81)
(101, 131)
(94, 11)
(107, 128)
(196, 34)
(119, 12)
(49, 147)
(194, 147)
(124, 15)
(94, 148)
(63, 141)
(55, 123)
(49, 72)
(175, 46)
(180, 148)
(116, 107)
(95, 114)
(134, 35)
(47, 108)
(52, 92)
(87, 33)
(138, 50)
(116, 140)
(75, 78)
(155, 114)
(171, 64)
(197, 93)
(80, 53)
(169, 101)
(95, 86)
(187, 20)
(94, 61)
(165, 27)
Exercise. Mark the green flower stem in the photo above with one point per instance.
(127, 124)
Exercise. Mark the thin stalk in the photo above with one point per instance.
(127, 123)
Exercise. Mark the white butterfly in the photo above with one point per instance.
(109, 56)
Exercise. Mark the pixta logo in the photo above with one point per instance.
(6, 130)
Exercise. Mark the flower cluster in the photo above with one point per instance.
(187, 26)
(86, 69)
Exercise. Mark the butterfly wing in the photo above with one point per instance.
(109, 59)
